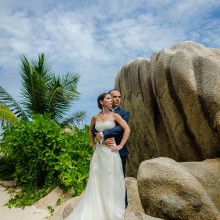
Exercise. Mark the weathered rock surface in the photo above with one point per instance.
(138, 216)
(207, 173)
(7, 183)
(167, 190)
(62, 211)
(134, 202)
(217, 124)
(173, 101)
(50, 199)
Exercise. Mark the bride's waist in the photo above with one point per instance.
(102, 144)
(111, 141)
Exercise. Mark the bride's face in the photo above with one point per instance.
(107, 101)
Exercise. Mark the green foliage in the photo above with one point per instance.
(51, 209)
(27, 196)
(7, 116)
(11, 104)
(44, 156)
(7, 168)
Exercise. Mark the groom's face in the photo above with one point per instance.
(116, 97)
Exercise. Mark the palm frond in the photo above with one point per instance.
(42, 68)
(9, 101)
(62, 94)
(76, 119)
(35, 77)
(69, 82)
(57, 101)
(7, 116)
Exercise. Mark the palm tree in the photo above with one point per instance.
(43, 92)
(7, 116)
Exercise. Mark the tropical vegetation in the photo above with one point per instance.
(36, 152)
(42, 92)
(40, 156)
(6, 115)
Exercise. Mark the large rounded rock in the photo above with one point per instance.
(167, 190)
(137, 97)
(207, 173)
(173, 101)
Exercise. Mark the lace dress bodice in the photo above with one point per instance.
(103, 125)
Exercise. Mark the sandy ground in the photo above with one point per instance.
(28, 213)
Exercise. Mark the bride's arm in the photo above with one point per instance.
(126, 129)
(92, 123)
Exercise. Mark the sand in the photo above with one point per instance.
(28, 213)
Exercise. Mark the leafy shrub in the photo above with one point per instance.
(7, 168)
(44, 156)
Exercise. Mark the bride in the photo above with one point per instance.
(104, 197)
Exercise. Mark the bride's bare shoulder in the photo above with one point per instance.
(116, 115)
(95, 117)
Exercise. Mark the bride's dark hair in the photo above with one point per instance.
(101, 98)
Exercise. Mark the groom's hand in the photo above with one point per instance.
(110, 142)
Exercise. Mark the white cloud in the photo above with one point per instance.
(95, 38)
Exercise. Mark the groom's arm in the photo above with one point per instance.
(117, 130)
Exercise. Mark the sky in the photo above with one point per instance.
(96, 38)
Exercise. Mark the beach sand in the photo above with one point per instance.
(28, 213)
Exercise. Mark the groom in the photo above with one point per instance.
(116, 132)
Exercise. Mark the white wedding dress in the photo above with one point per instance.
(104, 197)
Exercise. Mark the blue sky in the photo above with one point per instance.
(96, 38)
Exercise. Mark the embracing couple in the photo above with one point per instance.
(105, 196)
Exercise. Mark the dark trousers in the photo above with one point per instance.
(123, 160)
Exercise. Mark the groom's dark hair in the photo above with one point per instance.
(101, 98)
(113, 90)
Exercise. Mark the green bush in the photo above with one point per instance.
(7, 168)
(44, 156)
